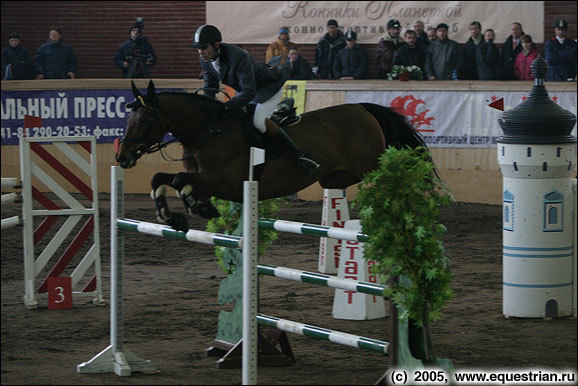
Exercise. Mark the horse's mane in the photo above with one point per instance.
(207, 102)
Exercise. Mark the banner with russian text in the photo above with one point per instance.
(64, 113)
(455, 119)
(257, 22)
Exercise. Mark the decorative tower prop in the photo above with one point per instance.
(536, 155)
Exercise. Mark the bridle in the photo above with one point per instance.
(142, 146)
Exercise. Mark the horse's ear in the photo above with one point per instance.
(152, 95)
(135, 90)
(151, 88)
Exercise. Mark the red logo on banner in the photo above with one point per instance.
(407, 106)
(497, 104)
(59, 293)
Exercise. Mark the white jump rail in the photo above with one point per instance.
(10, 198)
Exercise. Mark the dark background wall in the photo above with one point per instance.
(95, 29)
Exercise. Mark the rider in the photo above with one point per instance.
(255, 83)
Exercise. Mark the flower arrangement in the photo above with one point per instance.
(398, 72)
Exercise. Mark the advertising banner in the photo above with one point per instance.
(455, 119)
(64, 113)
(257, 22)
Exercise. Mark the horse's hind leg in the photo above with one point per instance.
(159, 183)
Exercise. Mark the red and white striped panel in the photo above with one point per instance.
(60, 178)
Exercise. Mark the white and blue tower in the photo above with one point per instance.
(536, 155)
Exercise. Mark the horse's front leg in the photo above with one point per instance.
(194, 202)
(160, 183)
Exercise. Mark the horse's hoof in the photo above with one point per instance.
(178, 221)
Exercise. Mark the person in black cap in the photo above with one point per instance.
(136, 55)
(256, 84)
(326, 50)
(561, 54)
(16, 62)
(443, 56)
(386, 48)
(351, 61)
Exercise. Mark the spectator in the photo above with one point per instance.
(280, 47)
(299, 67)
(351, 61)
(136, 55)
(16, 63)
(443, 56)
(470, 48)
(488, 57)
(388, 44)
(419, 29)
(431, 35)
(411, 52)
(55, 59)
(326, 50)
(525, 59)
(510, 51)
(561, 54)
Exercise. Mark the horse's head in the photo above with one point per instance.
(145, 127)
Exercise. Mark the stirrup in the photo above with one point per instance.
(308, 165)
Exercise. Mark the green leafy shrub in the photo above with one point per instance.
(399, 205)
(228, 222)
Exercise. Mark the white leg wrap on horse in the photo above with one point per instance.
(186, 194)
(158, 195)
(160, 191)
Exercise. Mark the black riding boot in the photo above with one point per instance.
(304, 159)
(284, 115)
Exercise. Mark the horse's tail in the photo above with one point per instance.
(397, 131)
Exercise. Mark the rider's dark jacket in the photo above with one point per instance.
(255, 82)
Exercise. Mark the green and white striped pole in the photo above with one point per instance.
(324, 334)
(312, 229)
(322, 279)
(193, 235)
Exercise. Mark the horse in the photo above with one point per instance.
(345, 140)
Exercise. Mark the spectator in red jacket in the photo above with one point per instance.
(525, 59)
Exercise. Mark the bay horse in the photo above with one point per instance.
(345, 140)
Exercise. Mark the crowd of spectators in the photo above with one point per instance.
(337, 54)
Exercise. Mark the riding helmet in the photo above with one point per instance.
(206, 34)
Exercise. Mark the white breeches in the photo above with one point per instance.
(265, 110)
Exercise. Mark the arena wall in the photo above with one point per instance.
(96, 28)
(461, 168)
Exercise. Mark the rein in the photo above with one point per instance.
(142, 148)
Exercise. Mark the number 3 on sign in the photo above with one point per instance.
(59, 293)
